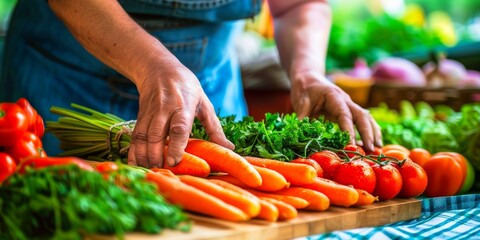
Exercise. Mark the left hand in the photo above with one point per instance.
(313, 95)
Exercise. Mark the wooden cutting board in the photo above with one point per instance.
(307, 223)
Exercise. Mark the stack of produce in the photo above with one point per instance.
(435, 131)
(65, 197)
(277, 157)
(280, 166)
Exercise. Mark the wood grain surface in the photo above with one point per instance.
(307, 223)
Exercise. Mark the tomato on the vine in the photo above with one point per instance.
(328, 161)
(414, 179)
(7, 166)
(357, 173)
(389, 181)
(375, 153)
(352, 149)
(396, 154)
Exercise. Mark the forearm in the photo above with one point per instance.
(301, 33)
(108, 33)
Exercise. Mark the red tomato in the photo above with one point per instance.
(414, 179)
(356, 173)
(461, 160)
(375, 153)
(7, 166)
(106, 167)
(445, 176)
(419, 156)
(395, 154)
(389, 181)
(13, 123)
(312, 163)
(328, 161)
(351, 149)
(28, 146)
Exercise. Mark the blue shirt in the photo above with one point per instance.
(45, 64)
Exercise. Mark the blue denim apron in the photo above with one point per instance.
(45, 64)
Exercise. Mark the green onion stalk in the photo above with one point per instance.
(90, 134)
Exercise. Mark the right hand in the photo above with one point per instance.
(170, 99)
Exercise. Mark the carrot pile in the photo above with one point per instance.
(217, 182)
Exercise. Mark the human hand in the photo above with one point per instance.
(170, 99)
(312, 95)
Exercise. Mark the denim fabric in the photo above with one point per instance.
(44, 63)
(204, 10)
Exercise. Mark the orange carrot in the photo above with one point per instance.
(271, 180)
(364, 198)
(267, 187)
(268, 211)
(296, 202)
(189, 165)
(295, 173)
(312, 163)
(195, 200)
(339, 194)
(247, 204)
(222, 159)
(317, 200)
(285, 210)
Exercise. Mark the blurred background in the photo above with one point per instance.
(364, 32)
(435, 46)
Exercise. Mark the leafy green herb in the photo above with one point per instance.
(282, 137)
(465, 126)
(65, 202)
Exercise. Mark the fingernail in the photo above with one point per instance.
(379, 143)
(171, 162)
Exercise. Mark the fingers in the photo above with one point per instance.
(207, 117)
(178, 133)
(303, 107)
(364, 126)
(156, 140)
(138, 153)
(377, 133)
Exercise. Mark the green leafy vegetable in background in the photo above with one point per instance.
(436, 129)
(374, 38)
(465, 126)
(282, 137)
(416, 126)
(65, 202)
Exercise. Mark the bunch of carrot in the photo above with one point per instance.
(216, 181)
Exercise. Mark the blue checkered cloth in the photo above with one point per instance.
(455, 217)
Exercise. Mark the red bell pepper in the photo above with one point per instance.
(29, 145)
(13, 124)
(7, 166)
(35, 121)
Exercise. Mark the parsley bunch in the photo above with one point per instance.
(278, 136)
(65, 202)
